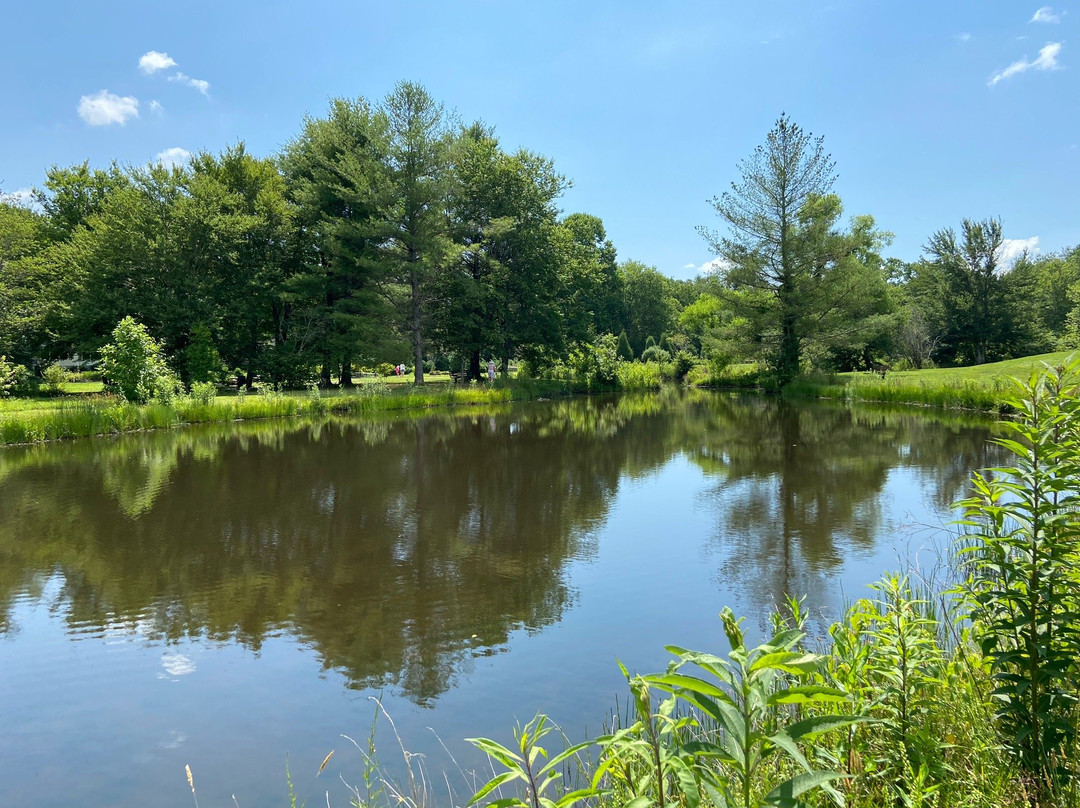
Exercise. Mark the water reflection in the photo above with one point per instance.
(400, 549)
(797, 488)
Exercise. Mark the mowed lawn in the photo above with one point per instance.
(1019, 368)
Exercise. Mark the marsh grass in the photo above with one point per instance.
(66, 418)
(988, 394)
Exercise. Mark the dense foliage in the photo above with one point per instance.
(390, 233)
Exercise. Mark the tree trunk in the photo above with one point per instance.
(474, 366)
(788, 362)
(417, 337)
(346, 373)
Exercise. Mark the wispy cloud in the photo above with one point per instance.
(153, 61)
(173, 157)
(104, 108)
(1012, 248)
(199, 84)
(21, 197)
(714, 265)
(1047, 60)
(1046, 14)
(962, 37)
(156, 108)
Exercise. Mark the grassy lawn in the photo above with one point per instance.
(981, 387)
(1020, 368)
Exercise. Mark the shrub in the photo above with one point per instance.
(599, 365)
(134, 365)
(55, 376)
(12, 376)
(203, 392)
(1024, 589)
(639, 376)
(626, 353)
(682, 364)
(654, 353)
(384, 369)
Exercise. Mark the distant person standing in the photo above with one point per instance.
(491, 370)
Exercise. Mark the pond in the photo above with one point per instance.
(232, 597)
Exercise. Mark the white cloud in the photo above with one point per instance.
(104, 108)
(1046, 14)
(152, 61)
(714, 265)
(962, 37)
(1047, 60)
(21, 197)
(199, 84)
(1012, 248)
(155, 107)
(175, 156)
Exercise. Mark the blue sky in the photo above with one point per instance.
(934, 111)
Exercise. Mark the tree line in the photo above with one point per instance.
(390, 230)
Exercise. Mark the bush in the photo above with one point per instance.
(55, 376)
(599, 366)
(12, 377)
(640, 376)
(626, 353)
(682, 365)
(135, 366)
(384, 369)
(654, 353)
(203, 392)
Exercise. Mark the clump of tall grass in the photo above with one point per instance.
(109, 416)
(640, 376)
(967, 394)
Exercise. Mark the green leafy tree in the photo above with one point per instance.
(982, 322)
(789, 270)
(592, 297)
(504, 291)
(30, 295)
(74, 194)
(242, 228)
(626, 353)
(648, 305)
(202, 362)
(134, 365)
(335, 176)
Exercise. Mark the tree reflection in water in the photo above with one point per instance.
(400, 548)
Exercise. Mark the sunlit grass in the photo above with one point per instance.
(37, 420)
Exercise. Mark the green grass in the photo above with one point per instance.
(986, 388)
(36, 420)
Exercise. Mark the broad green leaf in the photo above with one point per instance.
(497, 751)
(493, 784)
(819, 724)
(786, 793)
(802, 694)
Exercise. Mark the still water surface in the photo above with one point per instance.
(231, 596)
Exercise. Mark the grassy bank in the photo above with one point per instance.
(38, 420)
(986, 388)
